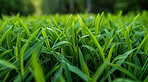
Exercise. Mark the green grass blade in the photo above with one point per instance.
(84, 65)
(59, 44)
(130, 27)
(23, 50)
(67, 73)
(2, 27)
(144, 68)
(58, 77)
(52, 71)
(25, 28)
(146, 42)
(5, 34)
(77, 71)
(98, 72)
(100, 21)
(110, 53)
(80, 20)
(119, 62)
(146, 79)
(8, 64)
(92, 49)
(54, 30)
(97, 24)
(108, 40)
(129, 45)
(140, 46)
(4, 53)
(123, 80)
(97, 44)
(46, 41)
(37, 68)
(18, 46)
(123, 70)
(4, 80)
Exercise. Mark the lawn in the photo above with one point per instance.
(83, 47)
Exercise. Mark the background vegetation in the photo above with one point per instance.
(11, 7)
(95, 6)
(27, 7)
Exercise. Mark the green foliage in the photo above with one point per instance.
(11, 7)
(84, 47)
(94, 6)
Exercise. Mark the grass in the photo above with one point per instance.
(85, 47)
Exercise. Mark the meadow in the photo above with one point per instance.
(83, 47)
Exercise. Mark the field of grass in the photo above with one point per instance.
(85, 47)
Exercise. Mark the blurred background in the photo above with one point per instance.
(39, 7)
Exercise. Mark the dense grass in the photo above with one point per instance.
(70, 48)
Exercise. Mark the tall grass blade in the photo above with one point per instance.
(84, 65)
(23, 50)
(37, 68)
(25, 28)
(46, 41)
(5, 34)
(97, 43)
(123, 70)
(2, 27)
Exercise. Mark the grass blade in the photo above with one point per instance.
(84, 65)
(2, 27)
(23, 50)
(5, 34)
(123, 70)
(25, 28)
(46, 41)
(38, 72)
(97, 43)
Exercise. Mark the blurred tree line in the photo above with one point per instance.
(26, 7)
(10, 7)
(95, 6)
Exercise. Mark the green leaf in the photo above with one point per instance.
(54, 30)
(58, 77)
(140, 46)
(23, 50)
(80, 20)
(92, 49)
(130, 27)
(18, 46)
(52, 71)
(46, 41)
(97, 24)
(119, 62)
(123, 70)
(110, 53)
(8, 64)
(84, 65)
(4, 53)
(37, 68)
(67, 73)
(77, 71)
(2, 27)
(97, 43)
(108, 40)
(98, 73)
(59, 44)
(146, 79)
(123, 80)
(25, 28)
(5, 34)
(144, 68)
